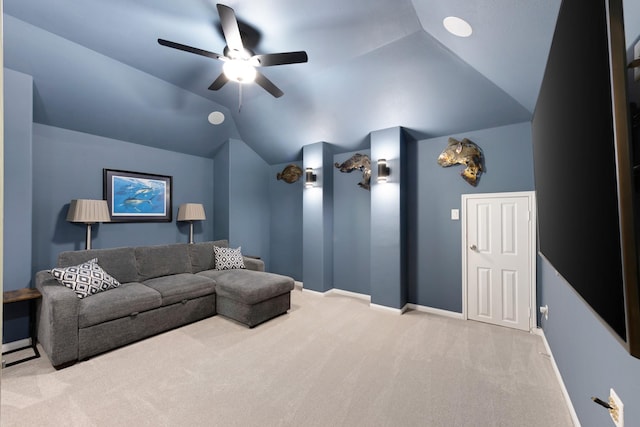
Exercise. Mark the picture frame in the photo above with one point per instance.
(137, 197)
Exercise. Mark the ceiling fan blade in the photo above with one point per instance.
(189, 49)
(268, 85)
(270, 59)
(230, 27)
(219, 82)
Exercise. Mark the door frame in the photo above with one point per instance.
(531, 195)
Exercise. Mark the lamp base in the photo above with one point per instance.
(88, 242)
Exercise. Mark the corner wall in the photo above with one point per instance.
(435, 267)
(18, 192)
(68, 165)
(285, 202)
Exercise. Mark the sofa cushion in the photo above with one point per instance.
(201, 255)
(85, 279)
(228, 258)
(119, 262)
(247, 286)
(162, 260)
(179, 287)
(127, 299)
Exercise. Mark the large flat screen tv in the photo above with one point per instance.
(583, 165)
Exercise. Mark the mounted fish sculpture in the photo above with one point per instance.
(360, 162)
(465, 153)
(290, 174)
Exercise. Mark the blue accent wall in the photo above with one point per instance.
(18, 185)
(285, 206)
(68, 165)
(221, 193)
(351, 229)
(589, 357)
(436, 264)
(248, 201)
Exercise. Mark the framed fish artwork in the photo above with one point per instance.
(137, 197)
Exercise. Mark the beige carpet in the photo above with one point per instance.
(332, 361)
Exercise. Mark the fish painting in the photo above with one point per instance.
(290, 174)
(359, 162)
(138, 196)
(464, 153)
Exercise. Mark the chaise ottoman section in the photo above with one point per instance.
(251, 297)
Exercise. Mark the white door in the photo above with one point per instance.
(499, 258)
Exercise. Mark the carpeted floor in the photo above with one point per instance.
(332, 361)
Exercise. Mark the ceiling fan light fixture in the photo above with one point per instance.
(239, 70)
(457, 26)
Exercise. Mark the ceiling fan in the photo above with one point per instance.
(240, 63)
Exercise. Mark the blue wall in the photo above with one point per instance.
(285, 207)
(351, 229)
(18, 111)
(589, 357)
(248, 201)
(68, 165)
(436, 266)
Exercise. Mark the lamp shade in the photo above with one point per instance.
(88, 211)
(191, 212)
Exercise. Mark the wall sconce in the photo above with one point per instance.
(309, 178)
(88, 212)
(383, 170)
(191, 212)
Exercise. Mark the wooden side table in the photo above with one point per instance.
(31, 295)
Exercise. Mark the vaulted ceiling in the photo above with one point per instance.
(373, 64)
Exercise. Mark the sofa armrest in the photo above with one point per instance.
(57, 320)
(252, 263)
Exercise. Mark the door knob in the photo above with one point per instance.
(473, 247)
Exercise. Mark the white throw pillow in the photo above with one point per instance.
(228, 258)
(85, 279)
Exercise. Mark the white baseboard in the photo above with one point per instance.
(565, 393)
(438, 311)
(309, 291)
(392, 310)
(349, 294)
(13, 345)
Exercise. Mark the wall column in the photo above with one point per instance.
(317, 219)
(388, 224)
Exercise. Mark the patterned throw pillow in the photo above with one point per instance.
(85, 279)
(228, 258)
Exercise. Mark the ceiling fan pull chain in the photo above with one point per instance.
(239, 97)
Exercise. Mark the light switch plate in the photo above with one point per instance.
(455, 214)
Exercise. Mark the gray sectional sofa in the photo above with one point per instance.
(162, 287)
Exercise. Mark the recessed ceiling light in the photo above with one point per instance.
(457, 26)
(216, 118)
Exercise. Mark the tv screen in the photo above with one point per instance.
(582, 164)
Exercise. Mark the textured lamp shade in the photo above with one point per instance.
(88, 211)
(191, 212)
